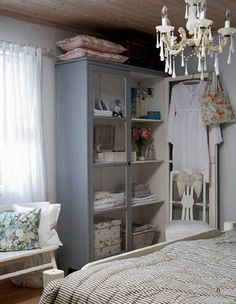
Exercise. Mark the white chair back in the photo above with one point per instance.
(187, 199)
(187, 204)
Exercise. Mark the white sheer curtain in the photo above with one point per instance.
(21, 143)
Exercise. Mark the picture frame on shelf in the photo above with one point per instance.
(104, 137)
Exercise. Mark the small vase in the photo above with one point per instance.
(140, 152)
(150, 153)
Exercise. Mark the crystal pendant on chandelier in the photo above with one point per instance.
(199, 38)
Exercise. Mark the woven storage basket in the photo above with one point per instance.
(142, 238)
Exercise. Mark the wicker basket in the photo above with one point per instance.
(142, 238)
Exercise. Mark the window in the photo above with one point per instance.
(22, 176)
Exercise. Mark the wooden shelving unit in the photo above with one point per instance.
(81, 85)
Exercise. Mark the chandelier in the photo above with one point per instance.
(199, 39)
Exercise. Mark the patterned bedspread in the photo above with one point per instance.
(189, 272)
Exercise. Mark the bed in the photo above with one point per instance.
(201, 271)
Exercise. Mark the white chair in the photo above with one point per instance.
(187, 225)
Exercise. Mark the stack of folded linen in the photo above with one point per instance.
(136, 227)
(141, 193)
(91, 47)
(140, 190)
(152, 198)
(105, 200)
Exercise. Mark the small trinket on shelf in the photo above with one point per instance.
(143, 104)
(117, 109)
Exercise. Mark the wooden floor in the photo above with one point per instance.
(10, 294)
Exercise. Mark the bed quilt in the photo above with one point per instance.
(196, 272)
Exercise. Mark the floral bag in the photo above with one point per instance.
(215, 107)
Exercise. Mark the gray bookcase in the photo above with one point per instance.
(95, 153)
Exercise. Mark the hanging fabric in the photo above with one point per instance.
(215, 107)
(186, 131)
(22, 165)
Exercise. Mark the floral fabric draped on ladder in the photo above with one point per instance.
(22, 172)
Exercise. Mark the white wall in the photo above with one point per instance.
(32, 34)
(227, 151)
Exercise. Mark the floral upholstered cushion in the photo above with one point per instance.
(92, 43)
(19, 230)
(81, 52)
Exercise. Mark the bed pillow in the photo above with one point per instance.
(47, 228)
(92, 43)
(80, 52)
(9, 207)
(19, 230)
(34, 204)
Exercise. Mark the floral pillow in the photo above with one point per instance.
(81, 52)
(19, 230)
(92, 43)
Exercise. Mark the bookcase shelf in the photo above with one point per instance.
(160, 201)
(143, 162)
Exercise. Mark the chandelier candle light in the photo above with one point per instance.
(199, 38)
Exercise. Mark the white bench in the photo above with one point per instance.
(22, 257)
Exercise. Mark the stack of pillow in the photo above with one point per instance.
(29, 226)
(91, 47)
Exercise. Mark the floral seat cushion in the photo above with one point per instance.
(19, 230)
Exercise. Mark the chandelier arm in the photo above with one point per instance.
(216, 48)
(213, 48)
(176, 48)
(197, 50)
(199, 39)
(183, 40)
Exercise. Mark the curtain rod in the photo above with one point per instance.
(45, 51)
